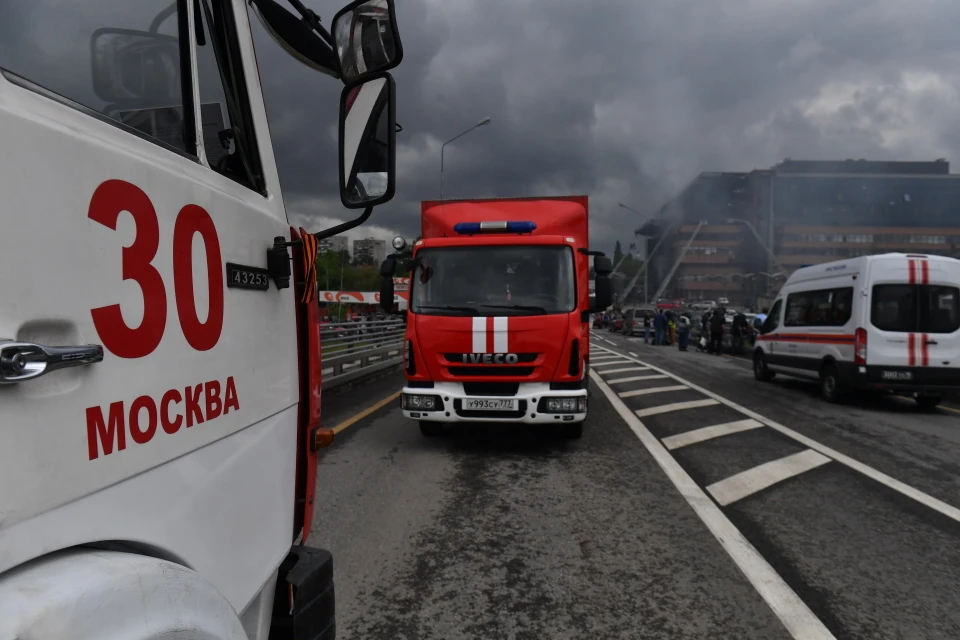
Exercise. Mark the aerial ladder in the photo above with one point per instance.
(646, 261)
(673, 269)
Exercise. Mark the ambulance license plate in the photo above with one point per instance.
(896, 375)
(490, 404)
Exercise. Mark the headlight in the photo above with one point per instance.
(563, 405)
(420, 403)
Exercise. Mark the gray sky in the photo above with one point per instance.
(626, 101)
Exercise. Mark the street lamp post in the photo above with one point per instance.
(483, 122)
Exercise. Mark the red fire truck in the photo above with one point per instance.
(498, 327)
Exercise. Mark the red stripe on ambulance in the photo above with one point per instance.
(201, 403)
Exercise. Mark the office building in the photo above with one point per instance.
(336, 243)
(369, 251)
(744, 233)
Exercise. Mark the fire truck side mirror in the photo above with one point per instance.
(603, 293)
(387, 268)
(602, 265)
(386, 294)
(366, 40)
(368, 143)
(603, 287)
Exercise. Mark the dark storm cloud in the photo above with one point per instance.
(622, 100)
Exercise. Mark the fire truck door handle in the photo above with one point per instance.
(931, 342)
(23, 361)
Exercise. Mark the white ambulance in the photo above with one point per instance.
(159, 340)
(886, 322)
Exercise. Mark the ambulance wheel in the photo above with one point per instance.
(431, 429)
(760, 369)
(928, 402)
(830, 386)
(571, 430)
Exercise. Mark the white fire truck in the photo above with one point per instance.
(159, 340)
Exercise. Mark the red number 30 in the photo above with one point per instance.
(109, 200)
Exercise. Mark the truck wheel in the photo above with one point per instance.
(929, 401)
(760, 370)
(572, 430)
(431, 429)
(830, 386)
(112, 594)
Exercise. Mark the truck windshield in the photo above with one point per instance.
(494, 281)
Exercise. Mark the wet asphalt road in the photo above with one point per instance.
(502, 533)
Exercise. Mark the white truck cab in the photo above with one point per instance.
(159, 335)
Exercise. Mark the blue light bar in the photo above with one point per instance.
(471, 228)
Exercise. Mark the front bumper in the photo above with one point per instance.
(451, 396)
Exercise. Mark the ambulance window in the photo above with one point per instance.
(228, 136)
(120, 60)
(894, 307)
(798, 306)
(773, 319)
(939, 309)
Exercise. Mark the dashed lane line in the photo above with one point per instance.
(633, 354)
(795, 615)
(746, 483)
(708, 433)
(674, 406)
(651, 390)
(891, 483)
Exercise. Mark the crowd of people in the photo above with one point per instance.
(669, 327)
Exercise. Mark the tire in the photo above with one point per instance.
(431, 429)
(760, 369)
(831, 388)
(571, 430)
(929, 401)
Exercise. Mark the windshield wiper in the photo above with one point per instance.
(446, 307)
(517, 307)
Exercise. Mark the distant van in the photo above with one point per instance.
(888, 322)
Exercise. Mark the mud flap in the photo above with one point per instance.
(304, 606)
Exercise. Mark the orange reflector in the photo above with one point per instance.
(322, 438)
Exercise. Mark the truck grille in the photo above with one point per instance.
(522, 358)
(508, 389)
(490, 370)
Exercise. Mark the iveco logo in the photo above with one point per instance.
(490, 358)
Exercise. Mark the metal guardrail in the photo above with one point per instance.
(351, 351)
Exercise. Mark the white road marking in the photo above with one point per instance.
(633, 354)
(892, 483)
(610, 362)
(783, 601)
(749, 482)
(598, 359)
(646, 392)
(609, 341)
(708, 433)
(674, 406)
(624, 369)
(637, 379)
